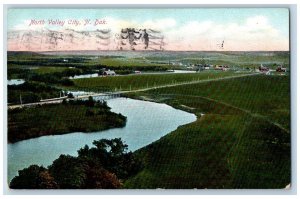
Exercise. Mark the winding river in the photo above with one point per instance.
(146, 123)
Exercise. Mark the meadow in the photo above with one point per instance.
(241, 138)
(262, 96)
(236, 142)
(50, 62)
(146, 61)
(133, 82)
(44, 70)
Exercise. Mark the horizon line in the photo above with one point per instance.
(152, 51)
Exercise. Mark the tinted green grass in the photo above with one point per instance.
(228, 146)
(134, 82)
(217, 151)
(268, 96)
(60, 119)
(43, 70)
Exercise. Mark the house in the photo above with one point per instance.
(280, 69)
(222, 67)
(225, 68)
(218, 67)
(203, 67)
(109, 73)
(263, 68)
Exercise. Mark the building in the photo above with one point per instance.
(222, 67)
(280, 69)
(262, 68)
(201, 67)
(109, 73)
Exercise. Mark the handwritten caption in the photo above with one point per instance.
(72, 22)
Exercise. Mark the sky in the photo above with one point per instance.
(224, 29)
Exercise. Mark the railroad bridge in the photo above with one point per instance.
(97, 96)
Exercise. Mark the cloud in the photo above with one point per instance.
(257, 21)
(25, 25)
(255, 33)
(161, 24)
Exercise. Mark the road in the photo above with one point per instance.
(59, 100)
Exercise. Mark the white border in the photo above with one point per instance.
(169, 3)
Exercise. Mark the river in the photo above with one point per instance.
(15, 81)
(143, 73)
(84, 76)
(146, 123)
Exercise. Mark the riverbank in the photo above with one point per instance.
(143, 126)
(56, 119)
(235, 142)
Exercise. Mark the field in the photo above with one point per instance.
(241, 138)
(31, 60)
(134, 82)
(142, 60)
(233, 144)
(265, 97)
(43, 70)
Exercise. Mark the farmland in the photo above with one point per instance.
(143, 60)
(134, 82)
(265, 96)
(233, 144)
(241, 138)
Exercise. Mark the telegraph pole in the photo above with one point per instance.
(20, 99)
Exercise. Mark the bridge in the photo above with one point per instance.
(119, 93)
(60, 99)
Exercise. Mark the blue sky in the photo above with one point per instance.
(276, 19)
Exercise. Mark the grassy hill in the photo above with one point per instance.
(230, 145)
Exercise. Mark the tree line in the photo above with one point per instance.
(106, 165)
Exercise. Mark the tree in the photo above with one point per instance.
(46, 181)
(202, 61)
(90, 102)
(68, 171)
(70, 95)
(71, 72)
(89, 112)
(100, 178)
(64, 101)
(66, 82)
(98, 167)
(113, 156)
(33, 177)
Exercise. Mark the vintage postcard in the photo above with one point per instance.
(148, 98)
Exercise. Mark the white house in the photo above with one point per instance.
(109, 73)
